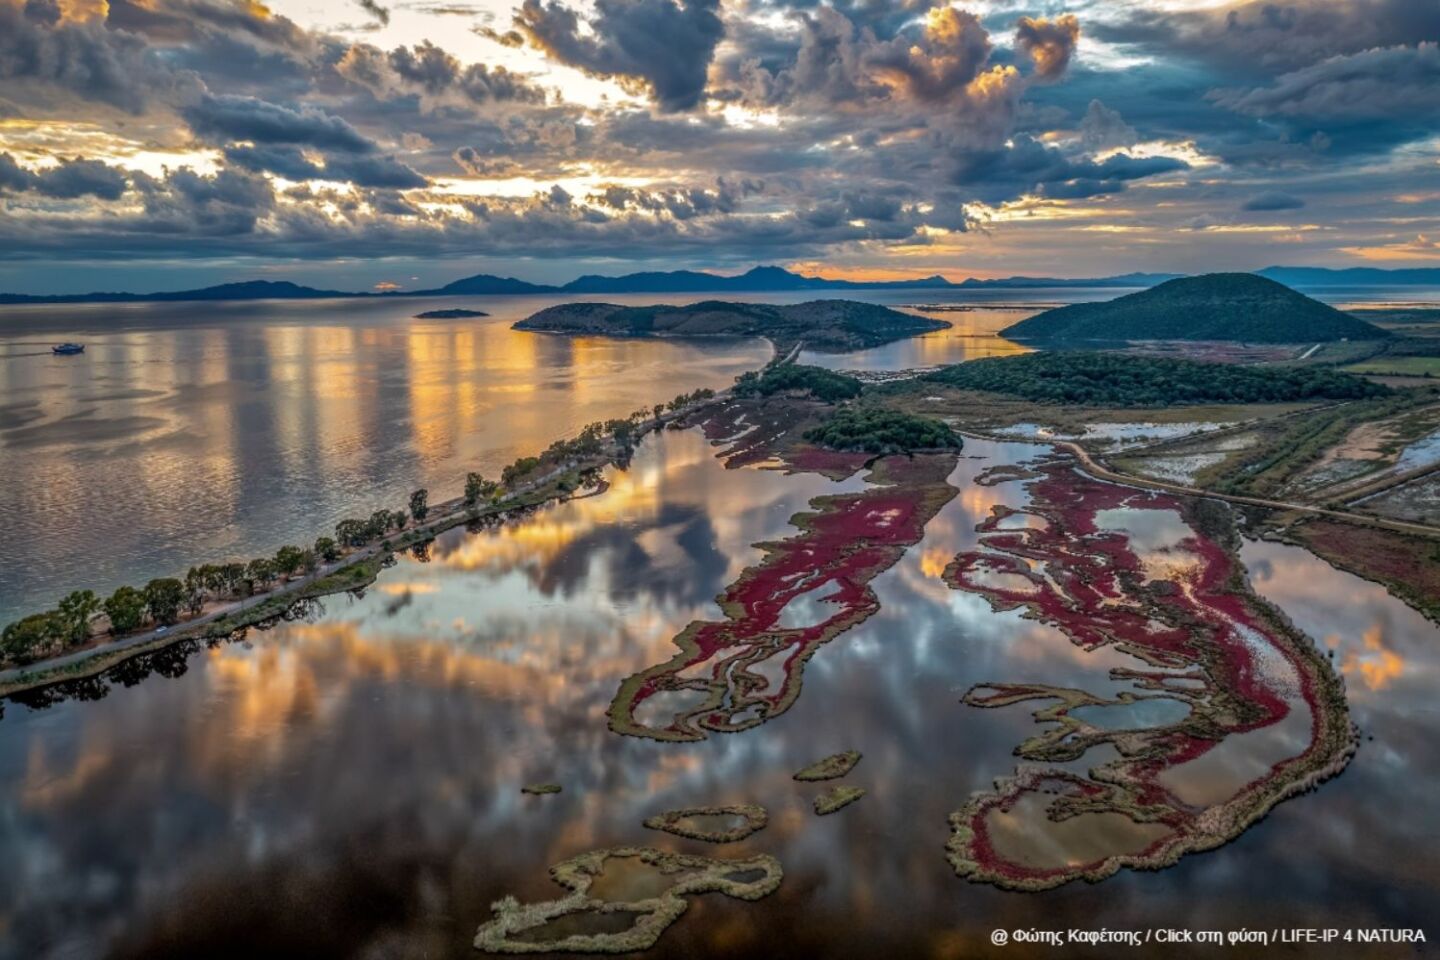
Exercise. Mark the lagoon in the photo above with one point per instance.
(349, 784)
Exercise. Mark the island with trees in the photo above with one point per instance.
(829, 325)
(455, 313)
(1216, 306)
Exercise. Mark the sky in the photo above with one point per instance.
(394, 144)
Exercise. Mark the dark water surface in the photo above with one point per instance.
(350, 786)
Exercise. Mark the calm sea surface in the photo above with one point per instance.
(192, 433)
(348, 786)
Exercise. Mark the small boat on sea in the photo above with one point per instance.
(67, 349)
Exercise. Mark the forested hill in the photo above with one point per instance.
(1215, 306)
(822, 324)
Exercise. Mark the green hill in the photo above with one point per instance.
(1215, 306)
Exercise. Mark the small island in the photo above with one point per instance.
(452, 314)
(826, 325)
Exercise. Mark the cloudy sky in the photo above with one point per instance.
(152, 144)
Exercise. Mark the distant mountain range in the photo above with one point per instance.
(759, 280)
(1216, 306)
(1315, 277)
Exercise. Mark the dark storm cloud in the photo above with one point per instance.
(475, 164)
(840, 63)
(287, 162)
(54, 60)
(1103, 128)
(664, 46)
(372, 172)
(46, 12)
(1398, 82)
(932, 67)
(71, 179)
(883, 124)
(292, 164)
(187, 205)
(681, 203)
(1273, 200)
(1268, 37)
(1048, 43)
(1028, 166)
(427, 71)
(381, 14)
(232, 117)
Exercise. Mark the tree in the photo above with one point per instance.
(259, 572)
(233, 575)
(326, 549)
(474, 488)
(623, 431)
(74, 615)
(163, 597)
(309, 561)
(288, 559)
(126, 610)
(216, 579)
(352, 533)
(22, 640)
(419, 504)
(518, 470)
(379, 525)
(195, 590)
(658, 410)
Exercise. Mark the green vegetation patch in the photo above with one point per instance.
(837, 798)
(1399, 366)
(683, 822)
(831, 768)
(541, 789)
(1118, 380)
(818, 382)
(882, 430)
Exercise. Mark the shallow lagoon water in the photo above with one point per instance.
(349, 786)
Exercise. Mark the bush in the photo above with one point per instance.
(820, 383)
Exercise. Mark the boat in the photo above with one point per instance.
(67, 349)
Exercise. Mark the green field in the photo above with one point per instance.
(1398, 366)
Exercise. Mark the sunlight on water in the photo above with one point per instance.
(193, 433)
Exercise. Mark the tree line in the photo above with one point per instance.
(1125, 380)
